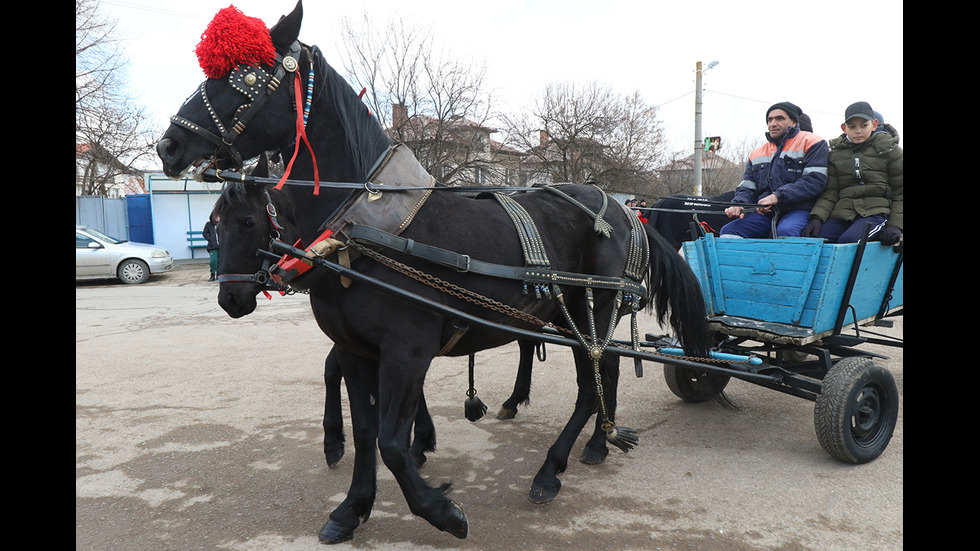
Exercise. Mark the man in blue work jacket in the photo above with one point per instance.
(782, 179)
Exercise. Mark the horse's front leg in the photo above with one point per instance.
(546, 484)
(400, 393)
(333, 420)
(361, 377)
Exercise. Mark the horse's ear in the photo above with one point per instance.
(261, 169)
(286, 31)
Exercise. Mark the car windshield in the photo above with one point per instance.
(104, 237)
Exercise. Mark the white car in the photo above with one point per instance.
(98, 256)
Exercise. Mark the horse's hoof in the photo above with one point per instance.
(333, 457)
(457, 524)
(541, 494)
(506, 413)
(333, 532)
(593, 457)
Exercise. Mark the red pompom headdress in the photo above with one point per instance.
(232, 38)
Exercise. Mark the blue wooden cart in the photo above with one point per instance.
(799, 308)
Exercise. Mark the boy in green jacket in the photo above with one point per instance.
(864, 183)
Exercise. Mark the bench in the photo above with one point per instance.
(196, 240)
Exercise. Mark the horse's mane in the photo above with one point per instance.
(366, 139)
(238, 193)
(233, 193)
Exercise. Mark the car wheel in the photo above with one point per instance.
(133, 271)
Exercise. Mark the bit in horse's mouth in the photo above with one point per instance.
(199, 166)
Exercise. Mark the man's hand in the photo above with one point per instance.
(734, 212)
(766, 203)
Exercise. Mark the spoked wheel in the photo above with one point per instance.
(692, 385)
(856, 412)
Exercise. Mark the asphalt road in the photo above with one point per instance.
(197, 431)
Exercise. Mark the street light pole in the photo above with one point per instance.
(698, 139)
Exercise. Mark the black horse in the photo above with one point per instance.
(240, 271)
(672, 216)
(599, 267)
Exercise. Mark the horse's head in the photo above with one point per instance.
(248, 221)
(242, 108)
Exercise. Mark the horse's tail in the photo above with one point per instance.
(676, 292)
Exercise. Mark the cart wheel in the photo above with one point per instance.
(692, 385)
(856, 412)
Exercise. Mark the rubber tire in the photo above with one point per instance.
(694, 386)
(857, 410)
(133, 271)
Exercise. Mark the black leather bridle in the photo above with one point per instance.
(257, 85)
(263, 276)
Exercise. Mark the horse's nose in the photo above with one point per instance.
(168, 150)
(235, 304)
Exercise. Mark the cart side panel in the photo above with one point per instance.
(824, 298)
(870, 287)
(696, 254)
(796, 281)
(761, 279)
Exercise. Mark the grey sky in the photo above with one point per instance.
(820, 56)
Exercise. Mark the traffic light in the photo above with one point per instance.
(712, 144)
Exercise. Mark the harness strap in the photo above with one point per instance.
(639, 252)
(261, 277)
(464, 263)
(638, 259)
(623, 438)
(460, 330)
(397, 188)
(534, 253)
(601, 226)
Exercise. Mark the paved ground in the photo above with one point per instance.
(196, 431)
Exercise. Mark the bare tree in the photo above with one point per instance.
(423, 97)
(110, 128)
(575, 134)
(725, 176)
(636, 146)
(721, 171)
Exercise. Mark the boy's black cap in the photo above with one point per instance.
(860, 109)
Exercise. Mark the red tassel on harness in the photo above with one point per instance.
(301, 134)
(233, 38)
